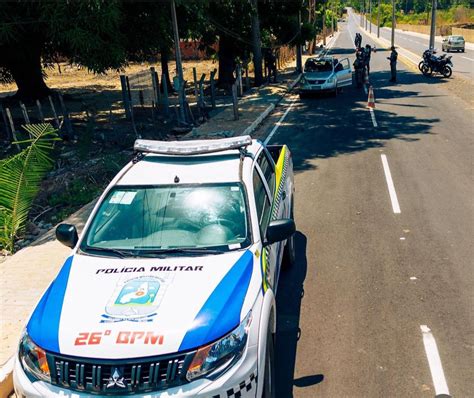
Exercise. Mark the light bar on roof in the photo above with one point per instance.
(195, 147)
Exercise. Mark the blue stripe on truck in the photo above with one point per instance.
(43, 326)
(221, 312)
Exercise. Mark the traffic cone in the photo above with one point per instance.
(371, 99)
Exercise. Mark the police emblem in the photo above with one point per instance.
(135, 300)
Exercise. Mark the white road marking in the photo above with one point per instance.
(278, 124)
(372, 116)
(470, 59)
(391, 187)
(434, 361)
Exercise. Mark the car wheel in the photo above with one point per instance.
(426, 70)
(462, 50)
(269, 377)
(447, 71)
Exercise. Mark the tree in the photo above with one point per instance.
(97, 34)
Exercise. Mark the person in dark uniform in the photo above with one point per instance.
(393, 65)
(367, 54)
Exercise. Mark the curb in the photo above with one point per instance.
(6, 378)
(250, 129)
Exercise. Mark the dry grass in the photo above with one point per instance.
(73, 77)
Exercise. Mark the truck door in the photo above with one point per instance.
(343, 73)
(264, 188)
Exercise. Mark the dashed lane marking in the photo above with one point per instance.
(434, 361)
(470, 59)
(391, 187)
(278, 124)
(372, 116)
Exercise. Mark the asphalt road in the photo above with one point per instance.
(372, 287)
(417, 44)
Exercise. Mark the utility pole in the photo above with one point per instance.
(179, 65)
(299, 50)
(256, 44)
(365, 15)
(434, 5)
(332, 19)
(378, 19)
(370, 16)
(393, 23)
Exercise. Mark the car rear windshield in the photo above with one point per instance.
(313, 65)
(457, 38)
(159, 218)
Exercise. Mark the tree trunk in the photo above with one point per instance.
(28, 74)
(256, 45)
(226, 61)
(165, 56)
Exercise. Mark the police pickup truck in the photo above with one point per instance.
(170, 290)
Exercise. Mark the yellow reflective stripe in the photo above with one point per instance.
(279, 168)
(264, 270)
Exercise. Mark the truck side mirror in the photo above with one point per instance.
(67, 235)
(279, 230)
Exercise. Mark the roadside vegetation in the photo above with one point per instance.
(20, 180)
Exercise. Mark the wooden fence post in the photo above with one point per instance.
(67, 120)
(166, 103)
(201, 103)
(235, 101)
(156, 87)
(12, 128)
(54, 111)
(195, 85)
(247, 80)
(40, 111)
(25, 113)
(125, 96)
(213, 88)
(239, 80)
(4, 117)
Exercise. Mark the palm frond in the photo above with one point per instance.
(20, 179)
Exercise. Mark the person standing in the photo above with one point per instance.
(367, 54)
(393, 65)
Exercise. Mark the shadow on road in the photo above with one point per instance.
(289, 296)
(328, 126)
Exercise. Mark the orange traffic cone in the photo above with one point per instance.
(371, 99)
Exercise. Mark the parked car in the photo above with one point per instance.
(451, 43)
(170, 289)
(325, 74)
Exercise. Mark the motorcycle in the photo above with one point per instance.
(432, 64)
(427, 54)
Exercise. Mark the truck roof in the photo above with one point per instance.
(213, 167)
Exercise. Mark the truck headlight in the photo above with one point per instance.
(220, 355)
(33, 359)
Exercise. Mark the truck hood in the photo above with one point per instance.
(317, 75)
(100, 307)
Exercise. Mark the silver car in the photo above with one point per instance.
(451, 43)
(325, 74)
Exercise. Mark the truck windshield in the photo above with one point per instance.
(154, 219)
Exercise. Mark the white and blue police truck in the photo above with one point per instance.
(170, 289)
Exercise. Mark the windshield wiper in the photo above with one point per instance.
(191, 251)
(105, 250)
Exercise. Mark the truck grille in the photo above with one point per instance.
(119, 377)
